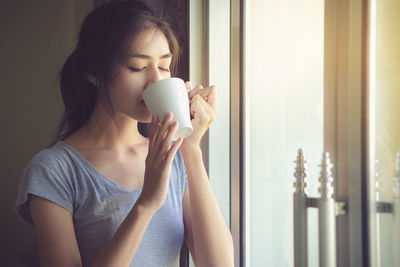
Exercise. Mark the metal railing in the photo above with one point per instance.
(328, 209)
(394, 208)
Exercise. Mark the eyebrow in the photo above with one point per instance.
(147, 56)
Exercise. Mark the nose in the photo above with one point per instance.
(154, 76)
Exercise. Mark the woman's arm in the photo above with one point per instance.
(55, 233)
(54, 224)
(125, 242)
(208, 234)
(57, 242)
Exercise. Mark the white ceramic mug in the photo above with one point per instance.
(170, 95)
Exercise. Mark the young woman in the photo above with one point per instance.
(104, 195)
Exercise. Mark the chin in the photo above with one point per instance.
(144, 118)
(142, 115)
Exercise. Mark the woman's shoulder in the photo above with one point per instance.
(53, 157)
(46, 175)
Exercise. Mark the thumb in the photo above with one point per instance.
(188, 85)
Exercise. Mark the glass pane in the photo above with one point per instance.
(384, 122)
(284, 111)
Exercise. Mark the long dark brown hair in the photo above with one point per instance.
(102, 40)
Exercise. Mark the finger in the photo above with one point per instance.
(207, 91)
(157, 120)
(209, 95)
(170, 133)
(188, 85)
(199, 110)
(166, 144)
(201, 103)
(153, 130)
(169, 157)
(204, 112)
(211, 112)
(195, 90)
(161, 132)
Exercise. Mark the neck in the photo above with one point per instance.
(102, 131)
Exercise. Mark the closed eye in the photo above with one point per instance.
(164, 69)
(136, 69)
(144, 68)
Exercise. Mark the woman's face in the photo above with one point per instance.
(148, 60)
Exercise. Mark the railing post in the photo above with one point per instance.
(300, 212)
(327, 216)
(396, 211)
(327, 207)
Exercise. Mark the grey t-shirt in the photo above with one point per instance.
(98, 205)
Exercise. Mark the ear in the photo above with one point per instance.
(92, 79)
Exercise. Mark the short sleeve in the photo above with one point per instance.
(45, 180)
(186, 180)
(182, 170)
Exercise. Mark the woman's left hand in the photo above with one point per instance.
(203, 111)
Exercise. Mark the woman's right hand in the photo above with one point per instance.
(158, 162)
